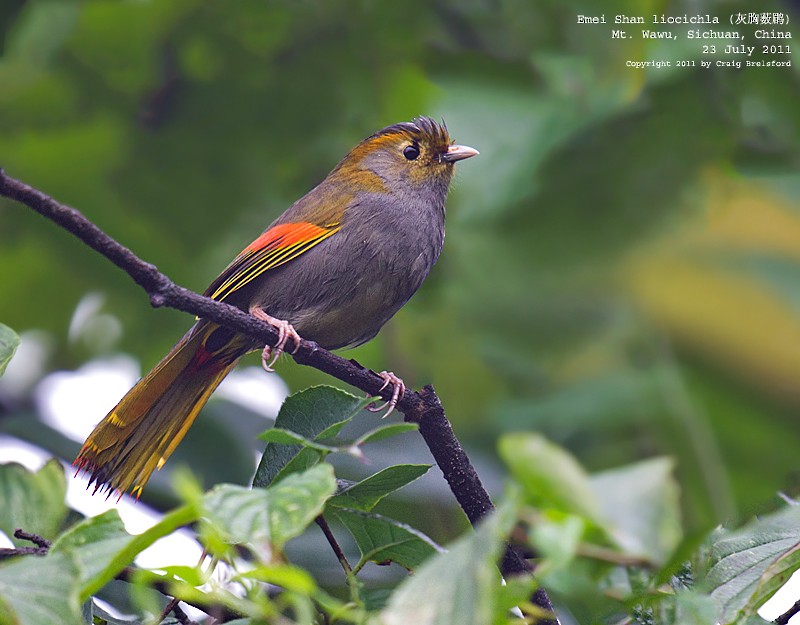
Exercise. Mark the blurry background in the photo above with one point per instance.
(622, 264)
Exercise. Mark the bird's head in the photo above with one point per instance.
(405, 157)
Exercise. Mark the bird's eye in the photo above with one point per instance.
(411, 152)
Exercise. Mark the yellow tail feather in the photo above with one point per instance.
(138, 436)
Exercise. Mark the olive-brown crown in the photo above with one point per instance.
(430, 138)
(413, 160)
(408, 152)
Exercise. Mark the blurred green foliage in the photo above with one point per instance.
(620, 544)
(622, 260)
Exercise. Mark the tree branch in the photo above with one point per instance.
(423, 408)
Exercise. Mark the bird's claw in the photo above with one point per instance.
(270, 354)
(398, 390)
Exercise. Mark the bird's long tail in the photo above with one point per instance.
(143, 430)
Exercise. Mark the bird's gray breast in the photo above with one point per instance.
(341, 292)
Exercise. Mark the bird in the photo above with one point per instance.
(333, 268)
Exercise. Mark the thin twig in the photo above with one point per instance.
(323, 525)
(171, 605)
(42, 545)
(605, 554)
(350, 575)
(784, 618)
(34, 538)
(423, 408)
(174, 607)
(181, 616)
(7, 552)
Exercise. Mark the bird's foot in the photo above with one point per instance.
(286, 332)
(398, 390)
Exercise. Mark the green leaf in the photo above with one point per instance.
(640, 508)
(93, 543)
(314, 413)
(364, 495)
(459, 587)
(685, 552)
(9, 341)
(42, 31)
(33, 502)
(557, 536)
(192, 575)
(140, 594)
(753, 619)
(135, 545)
(7, 613)
(694, 609)
(774, 577)
(549, 475)
(265, 518)
(376, 598)
(286, 576)
(108, 619)
(516, 591)
(87, 611)
(38, 590)
(305, 459)
(751, 563)
(382, 540)
(385, 431)
(286, 437)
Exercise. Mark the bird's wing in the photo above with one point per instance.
(276, 246)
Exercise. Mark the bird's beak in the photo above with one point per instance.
(458, 153)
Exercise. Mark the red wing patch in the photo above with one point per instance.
(273, 248)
